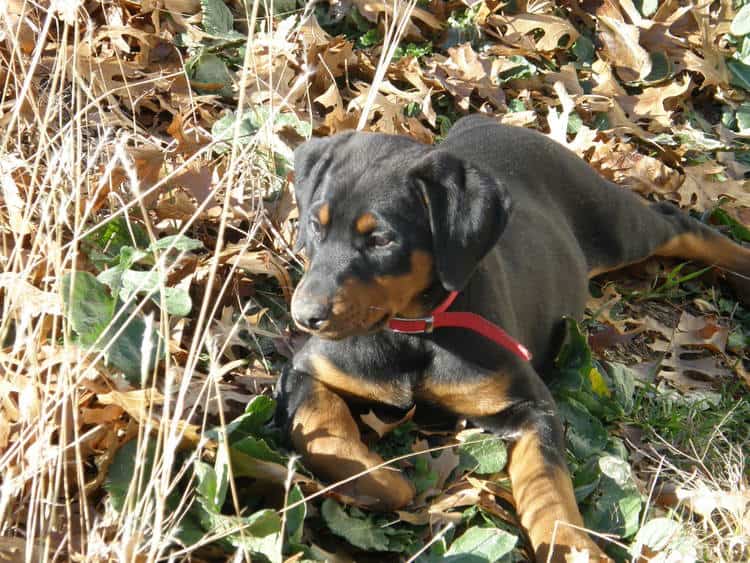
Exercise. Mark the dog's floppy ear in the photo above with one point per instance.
(311, 162)
(468, 210)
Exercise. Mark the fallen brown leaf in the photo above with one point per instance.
(622, 49)
(382, 428)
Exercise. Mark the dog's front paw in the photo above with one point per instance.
(384, 489)
(571, 546)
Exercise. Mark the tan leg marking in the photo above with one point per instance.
(390, 393)
(599, 270)
(325, 433)
(544, 495)
(484, 397)
(715, 250)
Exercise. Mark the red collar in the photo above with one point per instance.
(440, 317)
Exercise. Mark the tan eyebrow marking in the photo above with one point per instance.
(366, 223)
(324, 214)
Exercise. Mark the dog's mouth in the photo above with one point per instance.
(339, 332)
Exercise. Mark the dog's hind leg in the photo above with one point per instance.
(669, 232)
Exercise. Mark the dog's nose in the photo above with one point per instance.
(311, 314)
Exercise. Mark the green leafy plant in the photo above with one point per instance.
(101, 309)
(260, 533)
(366, 531)
(737, 230)
(102, 323)
(589, 397)
(483, 453)
(209, 64)
(480, 545)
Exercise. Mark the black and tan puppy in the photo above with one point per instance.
(514, 222)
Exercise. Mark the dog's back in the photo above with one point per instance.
(612, 226)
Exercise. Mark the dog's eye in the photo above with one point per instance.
(379, 240)
(315, 226)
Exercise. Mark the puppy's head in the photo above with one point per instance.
(382, 220)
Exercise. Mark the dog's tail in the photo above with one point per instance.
(677, 235)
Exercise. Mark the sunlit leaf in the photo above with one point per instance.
(360, 532)
(478, 545)
(128, 464)
(295, 517)
(741, 22)
(483, 453)
(657, 533)
(210, 75)
(217, 19)
(99, 321)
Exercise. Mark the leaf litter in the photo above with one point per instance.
(654, 95)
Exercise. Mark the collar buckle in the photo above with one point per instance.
(418, 325)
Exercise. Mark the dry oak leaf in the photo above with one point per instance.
(558, 124)
(624, 165)
(181, 6)
(21, 21)
(381, 427)
(408, 69)
(662, 32)
(386, 112)
(337, 119)
(260, 262)
(518, 26)
(568, 77)
(734, 169)
(330, 60)
(104, 415)
(601, 309)
(443, 465)
(414, 129)
(138, 404)
(520, 118)
(651, 103)
(189, 139)
(703, 35)
(606, 83)
(175, 204)
(465, 71)
(702, 191)
(147, 168)
(622, 124)
(198, 179)
(458, 495)
(338, 57)
(685, 367)
(311, 34)
(130, 82)
(712, 66)
(701, 331)
(622, 49)
(371, 10)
